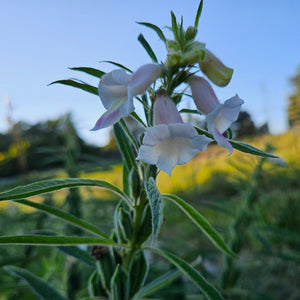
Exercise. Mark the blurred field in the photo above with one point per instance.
(217, 186)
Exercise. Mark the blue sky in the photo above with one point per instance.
(41, 39)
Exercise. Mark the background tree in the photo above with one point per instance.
(294, 102)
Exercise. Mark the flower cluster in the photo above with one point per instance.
(167, 140)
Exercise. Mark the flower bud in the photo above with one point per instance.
(172, 46)
(174, 59)
(196, 53)
(215, 70)
(191, 32)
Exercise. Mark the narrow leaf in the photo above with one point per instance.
(78, 253)
(129, 134)
(190, 111)
(158, 283)
(117, 64)
(47, 186)
(125, 147)
(43, 240)
(147, 47)
(250, 149)
(120, 284)
(156, 29)
(39, 286)
(155, 202)
(91, 71)
(80, 85)
(175, 27)
(201, 222)
(207, 288)
(199, 10)
(64, 216)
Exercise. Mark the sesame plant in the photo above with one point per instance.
(150, 142)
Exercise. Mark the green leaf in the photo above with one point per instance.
(47, 186)
(43, 240)
(91, 71)
(199, 10)
(64, 216)
(80, 85)
(78, 253)
(190, 111)
(250, 149)
(147, 47)
(207, 288)
(156, 29)
(201, 222)
(125, 147)
(155, 202)
(158, 283)
(129, 134)
(120, 284)
(39, 286)
(175, 27)
(118, 65)
(126, 187)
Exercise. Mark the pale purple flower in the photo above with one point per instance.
(170, 142)
(219, 117)
(117, 89)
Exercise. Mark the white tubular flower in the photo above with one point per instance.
(170, 142)
(219, 117)
(117, 89)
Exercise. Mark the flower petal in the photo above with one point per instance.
(148, 155)
(156, 134)
(143, 77)
(182, 130)
(109, 118)
(168, 145)
(203, 94)
(229, 113)
(200, 142)
(222, 141)
(165, 111)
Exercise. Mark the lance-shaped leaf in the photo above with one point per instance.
(199, 10)
(156, 29)
(120, 284)
(91, 71)
(39, 286)
(117, 65)
(155, 202)
(201, 222)
(147, 47)
(250, 149)
(158, 283)
(125, 147)
(47, 186)
(161, 282)
(42, 240)
(64, 216)
(207, 288)
(78, 253)
(78, 84)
